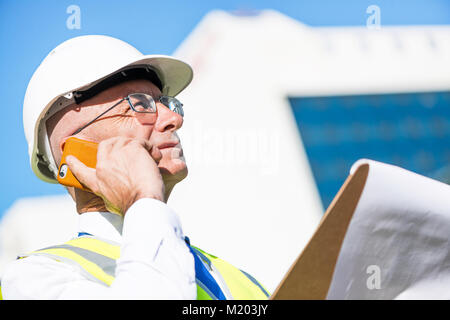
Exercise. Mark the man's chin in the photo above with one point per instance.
(173, 174)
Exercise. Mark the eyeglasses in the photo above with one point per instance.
(143, 103)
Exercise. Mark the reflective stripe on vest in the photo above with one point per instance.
(205, 280)
(97, 260)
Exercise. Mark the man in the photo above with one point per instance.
(130, 244)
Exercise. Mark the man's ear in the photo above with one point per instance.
(62, 144)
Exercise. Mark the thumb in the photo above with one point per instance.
(85, 175)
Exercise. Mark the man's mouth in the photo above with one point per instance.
(166, 145)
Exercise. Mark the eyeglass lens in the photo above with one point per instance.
(141, 102)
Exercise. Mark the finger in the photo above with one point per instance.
(154, 151)
(156, 154)
(105, 147)
(84, 174)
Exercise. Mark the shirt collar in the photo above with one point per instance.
(105, 225)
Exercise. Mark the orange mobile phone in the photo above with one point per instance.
(85, 151)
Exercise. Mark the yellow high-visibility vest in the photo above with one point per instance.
(96, 259)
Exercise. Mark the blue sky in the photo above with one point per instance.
(30, 29)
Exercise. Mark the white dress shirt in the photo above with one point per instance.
(155, 262)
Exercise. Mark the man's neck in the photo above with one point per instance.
(89, 202)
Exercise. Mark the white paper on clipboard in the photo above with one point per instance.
(400, 233)
(386, 235)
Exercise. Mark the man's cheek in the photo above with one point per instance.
(146, 119)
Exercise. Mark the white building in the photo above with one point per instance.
(250, 197)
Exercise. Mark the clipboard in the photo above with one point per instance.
(310, 276)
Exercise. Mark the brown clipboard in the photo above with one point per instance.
(310, 276)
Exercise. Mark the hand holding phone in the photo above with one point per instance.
(85, 151)
(125, 171)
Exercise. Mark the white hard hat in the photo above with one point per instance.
(77, 69)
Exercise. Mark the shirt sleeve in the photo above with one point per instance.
(155, 263)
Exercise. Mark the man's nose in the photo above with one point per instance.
(167, 119)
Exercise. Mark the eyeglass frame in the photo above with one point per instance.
(181, 112)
